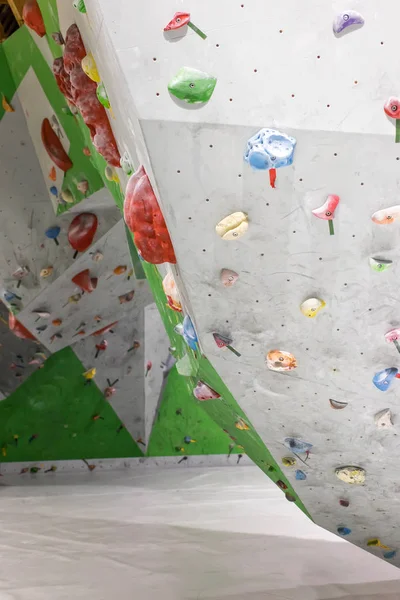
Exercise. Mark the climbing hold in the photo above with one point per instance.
(126, 297)
(7, 107)
(343, 531)
(111, 174)
(52, 469)
(379, 264)
(186, 367)
(392, 107)
(109, 391)
(67, 196)
(180, 19)
(73, 299)
(281, 484)
(390, 554)
(376, 543)
(344, 502)
(54, 147)
(148, 368)
(56, 322)
(280, 360)
(327, 211)
(81, 231)
(233, 226)
(126, 163)
(52, 233)
(97, 318)
(337, 404)
(52, 174)
(33, 18)
(46, 272)
(97, 256)
(270, 149)
(41, 328)
(346, 19)
(86, 151)
(104, 329)
(33, 437)
(288, 461)
(89, 374)
(311, 307)
(202, 392)
(54, 191)
(224, 341)
(120, 270)
(228, 278)
(351, 474)
(55, 336)
(79, 5)
(188, 440)
(84, 281)
(101, 347)
(58, 38)
(290, 498)
(83, 186)
(386, 216)
(241, 425)
(383, 419)
(144, 219)
(383, 379)
(9, 296)
(19, 274)
(102, 95)
(89, 67)
(172, 293)
(300, 475)
(188, 332)
(393, 336)
(192, 86)
(34, 470)
(297, 446)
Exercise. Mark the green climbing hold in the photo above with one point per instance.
(102, 95)
(192, 86)
(79, 5)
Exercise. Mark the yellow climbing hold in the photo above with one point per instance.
(111, 174)
(288, 461)
(67, 196)
(7, 107)
(241, 424)
(89, 66)
(377, 543)
(351, 474)
(233, 226)
(90, 373)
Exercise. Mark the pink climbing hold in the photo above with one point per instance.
(202, 392)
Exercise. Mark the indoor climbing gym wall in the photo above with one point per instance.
(264, 140)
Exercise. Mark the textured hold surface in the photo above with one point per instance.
(351, 474)
(386, 216)
(270, 149)
(347, 19)
(280, 360)
(233, 226)
(144, 218)
(202, 391)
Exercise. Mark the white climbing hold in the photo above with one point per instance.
(383, 419)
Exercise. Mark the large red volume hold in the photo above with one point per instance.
(84, 281)
(82, 231)
(80, 90)
(32, 17)
(144, 218)
(18, 329)
(54, 147)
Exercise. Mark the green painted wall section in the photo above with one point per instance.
(57, 406)
(21, 52)
(7, 85)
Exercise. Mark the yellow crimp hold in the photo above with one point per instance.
(90, 373)
(7, 107)
(241, 424)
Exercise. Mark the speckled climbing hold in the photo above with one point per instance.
(79, 5)
(297, 446)
(386, 216)
(46, 272)
(290, 498)
(344, 530)
(390, 554)
(33, 18)
(181, 19)
(126, 163)
(83, 186)
(58, 38)
(6, 105)
(202, 392)
(81, 231)
(270, 149)
(337, 404)
(383, 379)
(52, 233)
(280, 360)
(233, 226)
(224, 341)
(56, 322)
(102, 95)
(54, 147)
(379, 264)
(327, 211)
(172, 293)
(84, 281)
(89, 67)
(347, 19)
(228, 277)
(351, 474)
(289, 461)
(67, 196)
(188, 332)
(144, 219)
(192, 86)
(300, 475)
(241, 425)
(383, 419)
(343, 502)
(311, 307)
(281, 484)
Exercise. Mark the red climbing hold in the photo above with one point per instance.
(144, 218)
(105, 329)
(84, 281)
(32, 17)
(54, 147)
(272, 177)
(18, 329)
(180, 19)
(82, 231)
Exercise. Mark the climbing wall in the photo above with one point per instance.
(309, 375)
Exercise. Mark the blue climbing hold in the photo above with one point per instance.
(297, 446)
(187, 330)
(383, 379)
(344, 531)
(389, 554)
(54, 190)
(300, 475)
(187, 439)
(270, 149)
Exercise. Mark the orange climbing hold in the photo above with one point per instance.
(52, 174)
(32, 17)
